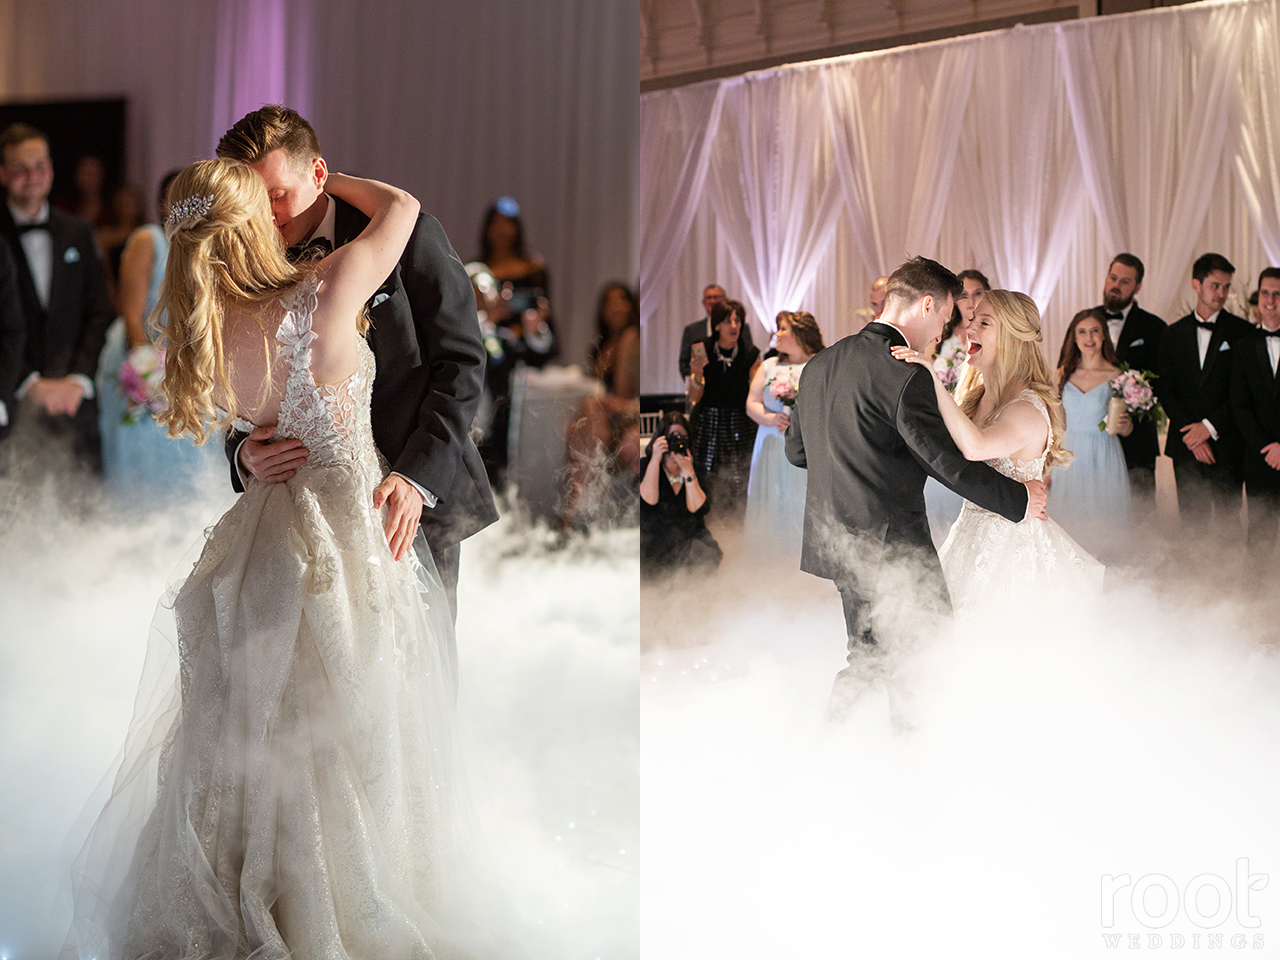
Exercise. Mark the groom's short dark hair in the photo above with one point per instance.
(270, 128)
(921, 277)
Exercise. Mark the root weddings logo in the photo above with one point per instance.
(1217, 911)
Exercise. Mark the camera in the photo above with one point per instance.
(677, 443)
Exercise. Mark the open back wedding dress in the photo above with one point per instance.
(292, 787)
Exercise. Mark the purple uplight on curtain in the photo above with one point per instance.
(260, 57)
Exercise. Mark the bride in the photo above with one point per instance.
(1006, 412)
(294, 787)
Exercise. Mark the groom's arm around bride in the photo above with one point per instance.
(867, 428)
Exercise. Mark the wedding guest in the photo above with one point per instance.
(141, 463)
(13, 336)
(941, 504)
(604, 438)
(64, 334)
(876, 296)
(719, 381)
(89, 199)
(1194, 386)
(699, 330)
(526, 334)
(776, 489)
(952, 342)
(1255, 404)
(1090, 498)
(673, 505)
(126, 215)
(1136, 334)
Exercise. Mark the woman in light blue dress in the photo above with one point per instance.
(775, 493)
(140, 462)
(1090, 499)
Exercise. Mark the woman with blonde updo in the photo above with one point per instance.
(309, 798)
(1006, 412)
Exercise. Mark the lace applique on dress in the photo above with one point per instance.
(331, 420)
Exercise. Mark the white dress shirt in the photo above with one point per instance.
(1273, 351)
(1203, 337)
(1115, 326)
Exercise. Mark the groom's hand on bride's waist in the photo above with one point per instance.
(271, 462)
(1037, 497)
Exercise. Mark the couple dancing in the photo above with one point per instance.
(294, 785)
(872, 421)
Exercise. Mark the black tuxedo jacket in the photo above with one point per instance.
(867, 428)
(1139, 347)
(430, 369)
(1255, 404)
(67, 337)
(696, 331)
(1190, 394)
(13, 332)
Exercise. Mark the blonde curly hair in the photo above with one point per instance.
(227, 258)
(1019, 365)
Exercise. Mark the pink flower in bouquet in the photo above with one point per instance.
(784, 390)
(1134, 387)
(140, 377)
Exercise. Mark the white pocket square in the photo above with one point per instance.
(1225, 346)
(378, 299)
(72, 255)
(1137, 343)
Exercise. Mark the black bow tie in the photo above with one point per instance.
(1270, 333)
(28, 227)
(1115, 316)
(1205, 324)
(314, 249)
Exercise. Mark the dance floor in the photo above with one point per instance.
(1075, 780)
(548, 641)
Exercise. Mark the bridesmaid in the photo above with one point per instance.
(776, 489)
(1090, 499)
(141, 464)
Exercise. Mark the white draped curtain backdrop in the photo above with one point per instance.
(1033, 154)
(457, 102)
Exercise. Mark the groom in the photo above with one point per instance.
(425, 339)
(867, 428)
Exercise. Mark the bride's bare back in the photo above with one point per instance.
(255, 368)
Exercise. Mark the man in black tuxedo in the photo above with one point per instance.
(13, 337)
(701, 329)
(425, 338)
(1196, 356)
(1255, 404)
(62, 291)
(1136, 335)
(868, 430)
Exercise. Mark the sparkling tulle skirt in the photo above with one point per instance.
(292, 785)
(992, 564)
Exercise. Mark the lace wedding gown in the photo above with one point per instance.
(990, 562)
(296, 789)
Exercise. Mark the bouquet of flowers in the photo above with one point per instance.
(1131, 393)
(140, 377)
(949, 362)
(783, 389)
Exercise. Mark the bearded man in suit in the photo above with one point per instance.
(425, 338)
(1136, 334)
(62, 293)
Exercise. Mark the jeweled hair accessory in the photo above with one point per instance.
(192, 208)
